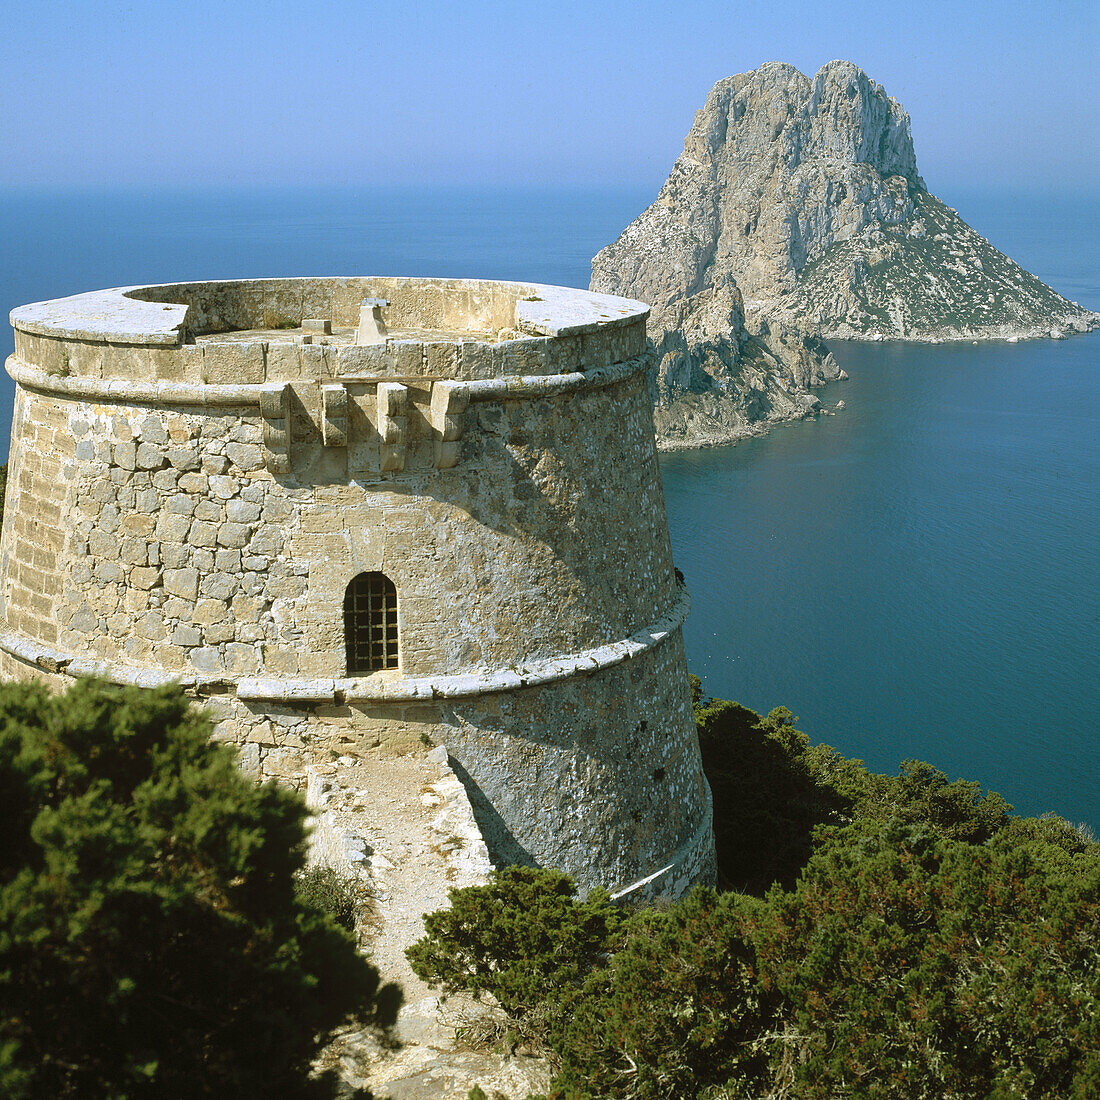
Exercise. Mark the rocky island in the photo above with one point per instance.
(796, 214)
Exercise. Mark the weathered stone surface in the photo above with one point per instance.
(795, 213)
(528, 568)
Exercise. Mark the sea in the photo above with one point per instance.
(916, 575)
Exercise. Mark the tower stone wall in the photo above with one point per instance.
(199, 471)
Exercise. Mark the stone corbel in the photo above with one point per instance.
(334, 415)
(449, 402)
(392, 424)
(276, 427)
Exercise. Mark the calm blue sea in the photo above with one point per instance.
(917, 576)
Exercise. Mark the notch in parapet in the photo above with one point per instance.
(372, 329)
(276, 427)
(449, 403)
(334, 415)
(393, 400)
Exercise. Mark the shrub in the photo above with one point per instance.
(678, 1009)
(929, 944)
(767, 797)
(524, 938)
(915, 965)
(150, 939)
(331, 892)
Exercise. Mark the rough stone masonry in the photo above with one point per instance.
(202, 477)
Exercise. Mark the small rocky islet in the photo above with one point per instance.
(795, 215)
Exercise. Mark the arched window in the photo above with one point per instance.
(370, 623)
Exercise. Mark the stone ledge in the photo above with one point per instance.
(250, 394)
(559, 311)
(103, 316)
(369, 689)
(133, 315)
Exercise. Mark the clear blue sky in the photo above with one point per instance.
(244, 92)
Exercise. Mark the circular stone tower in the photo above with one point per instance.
(372, 513)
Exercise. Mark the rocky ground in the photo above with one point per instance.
(404, 827)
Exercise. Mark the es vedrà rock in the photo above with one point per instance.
(796, 214)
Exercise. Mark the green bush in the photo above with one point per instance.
(918, 941)
(331, 892)
(677, 1010)
(910, 964)
(150, 939)
(768, 798)
(524, 938)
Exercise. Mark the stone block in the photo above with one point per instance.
(144, 577)
(150, 626)
(440, 358)
(408, 358)
(364, 361)
(172, 527)
(223, 486)
(242, 511)
(150, 457)
(184, 457)
(193, 483)
(208, 611)
(475, 360)
(228, 561)
(371, 330)
(186, 636)
(203, 533)
(124, 455)
(276, 428)
(334, 422)
(218, 586)
(284, 362)
(318, 361)
(134, 551)
(102, 545)
(233, 364)
(234, 535)
(179, 505)
(216, 633)
(241, 659)
(137, 523)
(165, 480)
(246, 456)
(214, 464)
(207, 659)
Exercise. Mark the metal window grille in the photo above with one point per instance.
(370, 623)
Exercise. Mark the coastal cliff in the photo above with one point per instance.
(796, 214)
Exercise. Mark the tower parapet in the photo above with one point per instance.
(373, 513)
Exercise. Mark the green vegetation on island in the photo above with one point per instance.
(155, 939)
(878, 936)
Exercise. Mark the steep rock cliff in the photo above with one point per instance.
(799, 204)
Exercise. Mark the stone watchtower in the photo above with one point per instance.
(371, 513)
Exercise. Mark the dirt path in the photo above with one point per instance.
(404, 825)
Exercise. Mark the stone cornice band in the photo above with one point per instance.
(97, 390)
(377, 688)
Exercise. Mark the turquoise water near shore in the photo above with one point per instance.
(917, 576)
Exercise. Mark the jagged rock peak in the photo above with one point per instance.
(840, 115)
(806, 194)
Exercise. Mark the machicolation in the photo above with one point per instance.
(371, 513)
